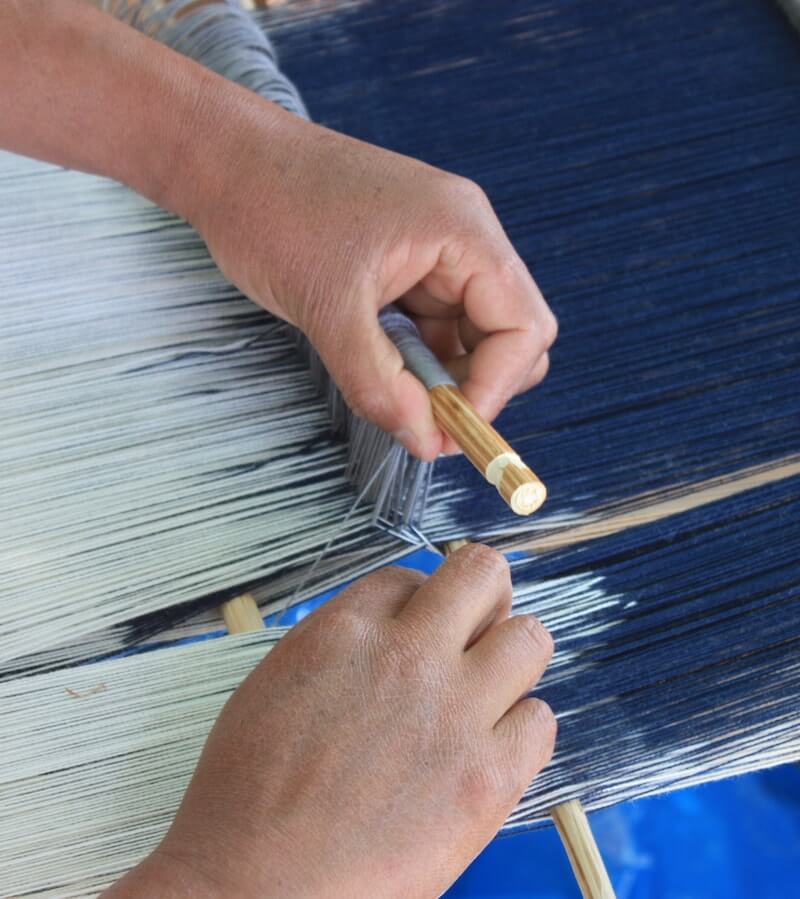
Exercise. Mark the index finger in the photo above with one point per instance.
(506, 305)
(469, 591)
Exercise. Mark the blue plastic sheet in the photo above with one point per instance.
(735, 839)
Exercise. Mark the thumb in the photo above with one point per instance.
(369, 372)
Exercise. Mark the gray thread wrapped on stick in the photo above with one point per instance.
(417, 356)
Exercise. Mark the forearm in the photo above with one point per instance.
(82, 90)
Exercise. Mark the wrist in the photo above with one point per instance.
(168, 877)
(218, 132)
(233, 859)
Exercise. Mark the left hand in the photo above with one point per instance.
(324, 231)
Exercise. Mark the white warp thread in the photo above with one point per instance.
(123, 737)
(161, 439)
(122, 740)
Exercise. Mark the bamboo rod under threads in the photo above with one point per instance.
(451, 546)
(487, 450)
(584, 856)
(574, 829)
(656, 505)
(241, 615)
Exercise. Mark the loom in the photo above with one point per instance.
(645, 164)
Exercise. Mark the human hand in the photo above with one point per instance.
(320, 229)
(324, 230)
(374, 752)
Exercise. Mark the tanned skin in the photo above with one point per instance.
(379, 747)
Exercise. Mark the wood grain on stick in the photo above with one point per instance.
(584, 856)
(487, 450)
(657, 505)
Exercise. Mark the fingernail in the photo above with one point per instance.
(424, 446)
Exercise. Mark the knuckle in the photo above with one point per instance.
(484, 784)
(347, 623)
(545, 728)
(404, 661)
(534, 635)
(485, 562)
(540, 371)
(508, 267)
(531, 743)
(550, 330)
(329, 637)
(543, 721)
(469, 193)
(392, 578)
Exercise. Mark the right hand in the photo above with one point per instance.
(374, 752)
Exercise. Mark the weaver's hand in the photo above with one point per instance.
(324, 230)
(374, 752)
(318, 228)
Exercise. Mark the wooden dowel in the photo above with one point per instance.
(584, 856)
(659, 504)
(452, 545)
(487, 450)
(241, 615)
(573, 828)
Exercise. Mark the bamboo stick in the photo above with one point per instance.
(452, 545)
(584, 856)
(241, 615)
(573, 828)
(487, 450)
(657, 505)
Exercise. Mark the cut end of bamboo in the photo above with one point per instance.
(487, 450)
(527, 498)
(241, 615)
(520, 488)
